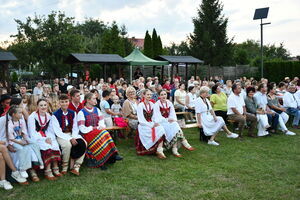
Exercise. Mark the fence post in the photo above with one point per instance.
(235, 71)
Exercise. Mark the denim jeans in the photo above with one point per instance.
(273, 120)
(296, 113)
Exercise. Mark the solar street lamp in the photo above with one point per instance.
(261, 13)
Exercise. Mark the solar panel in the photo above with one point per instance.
(261, 13)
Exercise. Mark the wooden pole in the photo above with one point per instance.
(162, 73)
(172, 71)
(186, 74)
(105, 78)
(71, 74)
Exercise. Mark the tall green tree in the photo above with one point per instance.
(148, 47)
(155, 44)
(209, 40)
(160, 46)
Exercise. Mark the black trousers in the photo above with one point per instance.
(222, 114)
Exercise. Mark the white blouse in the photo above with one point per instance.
(81, 121)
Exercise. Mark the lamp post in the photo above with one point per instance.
(261, 13)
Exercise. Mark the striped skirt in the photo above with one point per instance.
(50, 156)
(100, 149)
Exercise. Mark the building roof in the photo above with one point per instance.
(180, 59)
(96, 58)
(7, 56)
(137, 42)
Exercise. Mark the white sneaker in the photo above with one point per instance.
(17, 176)
(290, 133)
(233, 135)
(24, 174)
(6, 185)
(212, 142)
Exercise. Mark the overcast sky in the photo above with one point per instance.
(171, 18)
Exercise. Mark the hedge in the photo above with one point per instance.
(277, 70)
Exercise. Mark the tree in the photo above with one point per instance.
(155, 44)
(160, 47)
(178, 50)
(209, 40)
(44, 43)
(252, 49)
(148, 48)
(241, 57)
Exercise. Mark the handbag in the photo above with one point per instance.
(203, 137)
(120, 122)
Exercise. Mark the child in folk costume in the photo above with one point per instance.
(38, 126)
(165, 115)
(150, 136)
(28, 152)
(101, 147)
(64, 126)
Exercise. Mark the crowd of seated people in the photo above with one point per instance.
(59, 125)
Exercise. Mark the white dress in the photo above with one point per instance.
(37, 136)
(145, 127)
(171, 128)
(209, 125)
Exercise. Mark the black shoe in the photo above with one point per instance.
(118, 157)
(103, 167)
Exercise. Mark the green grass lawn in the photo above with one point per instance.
(256, 168)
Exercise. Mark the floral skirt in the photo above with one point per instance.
(175, 139)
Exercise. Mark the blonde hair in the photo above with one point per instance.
(130, 89)
(32, 103)
(204, 89)
(53, 103)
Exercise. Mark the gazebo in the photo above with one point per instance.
(137, 58)
(176, 60)
(5, 59)
(88, 59)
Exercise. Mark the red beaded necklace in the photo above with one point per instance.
(148, 110)
(40, 120)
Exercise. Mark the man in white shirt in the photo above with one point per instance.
(236, 111)
(292, 105)
(38, 90)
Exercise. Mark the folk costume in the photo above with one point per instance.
(74, 108)
(29, 154)
(39, 131)
(148, 137)
(100, 145)
(64, 126)
(164, 112)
